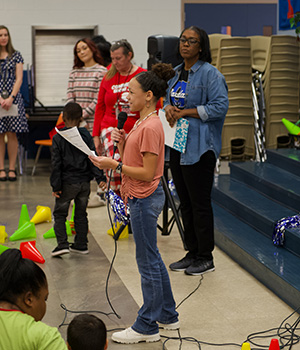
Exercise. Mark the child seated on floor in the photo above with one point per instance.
(23, 297)
(70, 179)
(86, 332)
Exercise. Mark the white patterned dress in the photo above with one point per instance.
(17, 124)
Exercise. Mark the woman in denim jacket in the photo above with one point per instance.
(199, 93)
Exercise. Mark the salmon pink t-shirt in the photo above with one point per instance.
(147, 137)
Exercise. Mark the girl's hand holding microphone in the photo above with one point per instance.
(118, 136)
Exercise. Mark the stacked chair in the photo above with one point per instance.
(260, 46)
(281, 88)
(262, 74)
(234, 62)
(214, 41)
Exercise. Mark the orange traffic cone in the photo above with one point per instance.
(24, 216)
(274, 345)
(3, 234)
(246, 346)
(292, 128)
(42, 214)
(24, 232)
(29, 251)
(3, 249)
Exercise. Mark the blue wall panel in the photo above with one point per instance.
(244, 19)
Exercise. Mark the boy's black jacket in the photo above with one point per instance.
(70, 165)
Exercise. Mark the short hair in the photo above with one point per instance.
(86, 331)
(127, 48)
(96, 53)
(19, 275)
(204, 54)
(157, 79)
(72, 111)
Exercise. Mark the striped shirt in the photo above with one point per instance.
(83, 88)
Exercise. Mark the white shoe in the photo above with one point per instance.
(96, 201)
(170, 326)
(129, 336)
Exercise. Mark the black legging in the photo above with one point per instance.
(194, 184)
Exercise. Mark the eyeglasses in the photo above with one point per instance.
(190, 41)
(122, 42)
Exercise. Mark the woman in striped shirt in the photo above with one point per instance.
(85, 78)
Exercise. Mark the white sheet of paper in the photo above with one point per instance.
(12, 112)
(169, 132)
(73, 136)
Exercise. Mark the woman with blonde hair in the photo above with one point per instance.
(112, 100)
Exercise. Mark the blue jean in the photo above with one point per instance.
(159, 304)
(80, 193)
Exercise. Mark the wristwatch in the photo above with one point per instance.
(13, 96)
(119, 168)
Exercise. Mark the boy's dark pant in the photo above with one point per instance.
(80, 193)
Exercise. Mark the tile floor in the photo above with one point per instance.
(228, 306)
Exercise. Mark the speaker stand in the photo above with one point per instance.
(168, 224)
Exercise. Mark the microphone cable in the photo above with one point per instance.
(121, 121)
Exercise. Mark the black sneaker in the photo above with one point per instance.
(182, 264)
(60, 251)
(199, 267)
(78, 250)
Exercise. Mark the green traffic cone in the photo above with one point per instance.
(24, 232)
(50, 233)
(292, 128)
(24, 216)
(68, 228)
(3, 249)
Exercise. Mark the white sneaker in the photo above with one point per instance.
(129, 336)
(96, 201)
(170, 326)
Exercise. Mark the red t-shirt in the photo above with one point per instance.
(110, 91)
(147, 137)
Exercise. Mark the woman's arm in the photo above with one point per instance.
(145, 173)
(90, 109)
(99, 111)
(70, 90)
(6, 104)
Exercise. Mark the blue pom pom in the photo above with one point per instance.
(118, 207)
(282, 225)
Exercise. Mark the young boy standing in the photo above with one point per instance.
(70, 179)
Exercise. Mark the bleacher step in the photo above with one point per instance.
(275, 267)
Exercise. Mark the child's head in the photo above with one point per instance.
(72, 114)
(23, 284)
(86, 332)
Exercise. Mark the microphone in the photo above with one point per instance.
(122, 117)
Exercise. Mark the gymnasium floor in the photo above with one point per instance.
(228, 306)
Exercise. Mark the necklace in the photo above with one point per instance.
(139, 121)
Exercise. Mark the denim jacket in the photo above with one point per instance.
(207, 91)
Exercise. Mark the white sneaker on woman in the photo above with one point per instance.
(129, 336)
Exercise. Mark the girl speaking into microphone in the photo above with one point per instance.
(142, 152)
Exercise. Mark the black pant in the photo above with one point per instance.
(80, 193)
(194, 184)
